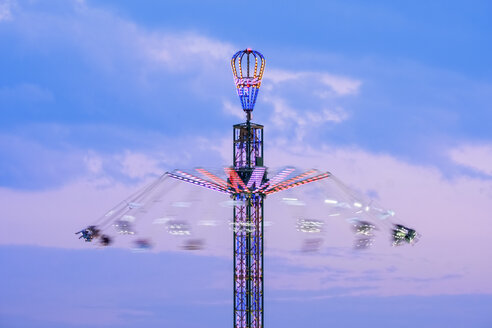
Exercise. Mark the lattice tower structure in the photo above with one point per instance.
(247, 184)
(248, 224)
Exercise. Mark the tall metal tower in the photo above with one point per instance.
(248, 67)
(248, 185)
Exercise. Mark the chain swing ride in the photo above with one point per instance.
(247, 185)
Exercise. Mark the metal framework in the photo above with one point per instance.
(248, 185)
(248, 174)
(247, 76)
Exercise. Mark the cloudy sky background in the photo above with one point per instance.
(99, 98)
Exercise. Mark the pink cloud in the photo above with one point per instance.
(476, 157)
(450, 213)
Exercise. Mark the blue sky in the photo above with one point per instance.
(98, 97)
(423, 74)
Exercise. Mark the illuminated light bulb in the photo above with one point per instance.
(331, 201)
(247, 86)
(357, 204)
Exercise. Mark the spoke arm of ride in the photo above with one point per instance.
(195, 178)
(125, 206)
(235, 179)
(197, 181)
(215, 178)
(290, 181)
(256, 178)
(277, 178)
(300, 183)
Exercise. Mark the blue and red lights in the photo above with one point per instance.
(247, 184)
(248, 67)
(255, 184)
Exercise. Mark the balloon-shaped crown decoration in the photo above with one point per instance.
(248, 66)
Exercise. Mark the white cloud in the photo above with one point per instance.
(476, 157)
(138, 165)
(118, 45)
(94, 163)
(6, 10)
(285, 117)
(143, 61)
(339, 85)
(234, 110)
(302, 101)
(182, 50)
(286, 91)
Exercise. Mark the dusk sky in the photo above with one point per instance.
(101, 97)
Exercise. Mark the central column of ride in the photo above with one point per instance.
(247, 175)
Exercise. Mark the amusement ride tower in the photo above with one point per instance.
(250, 185)
(247, 185)
(248, 208)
